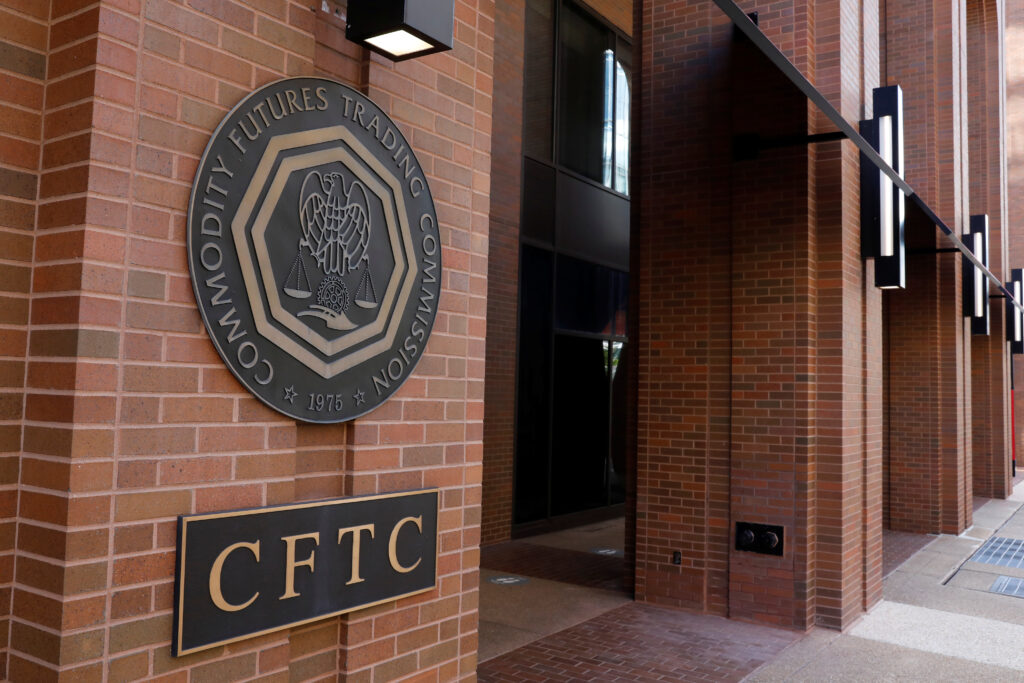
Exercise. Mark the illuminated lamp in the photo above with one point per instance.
(402, 29)
(975, 288)
(1014, 317)
(883, 204)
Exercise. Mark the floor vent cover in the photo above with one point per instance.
(1008, 585)
(1002, 552)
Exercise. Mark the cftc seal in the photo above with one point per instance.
(314, 249)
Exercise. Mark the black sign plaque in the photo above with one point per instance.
(245, 573)
(314, 249)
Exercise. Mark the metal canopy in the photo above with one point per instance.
(767, 47)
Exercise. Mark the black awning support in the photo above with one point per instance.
(743, 22)
(747, 146)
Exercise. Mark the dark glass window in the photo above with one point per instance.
(584, 297)
(593, 100)
(570, 434)
(533, 422)
(579, 441)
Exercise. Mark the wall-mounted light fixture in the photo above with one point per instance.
(882, 204)
(974, 285)
(402, 29)
(1014, 318)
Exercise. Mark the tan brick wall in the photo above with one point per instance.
(130, 416)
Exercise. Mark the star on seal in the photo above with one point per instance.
(290, 394)
(358, 396)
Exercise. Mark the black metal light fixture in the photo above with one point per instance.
(402, 29)
(975, 288)
(1014, 317)
(882, 203)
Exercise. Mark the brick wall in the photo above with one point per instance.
(130, 416)
(929, 342)
(990, 404)
(1014, 69)
(758, 330)
(503, 274)
(23, 50)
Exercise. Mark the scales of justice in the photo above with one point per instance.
(336, 227)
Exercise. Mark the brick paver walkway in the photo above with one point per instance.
(639, 642)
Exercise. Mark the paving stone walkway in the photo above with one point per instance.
(631, 641)
(639, 642)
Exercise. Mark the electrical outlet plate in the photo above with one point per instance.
(765, 539)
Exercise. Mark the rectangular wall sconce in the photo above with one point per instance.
(975, 287)
(1014, 318)
(882, 204)
(402, 29)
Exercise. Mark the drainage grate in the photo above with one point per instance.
(1002, 552)
(1008, 585)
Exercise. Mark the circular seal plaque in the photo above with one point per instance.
(314, 250)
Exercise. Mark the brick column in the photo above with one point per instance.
(431, 433)
(503, 272)
(680, 273)
(990, 396)
(928, 340)
(847, 406)
(130, 417)
(1014, 65)
(24, 48)
(758, 338)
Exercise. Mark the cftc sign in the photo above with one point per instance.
(248, 572)
(314, 250)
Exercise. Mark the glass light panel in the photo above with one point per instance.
(621, 129)
(885, 225)
(1016, 313)
(608, 130)
(399, 43)
(979, 278)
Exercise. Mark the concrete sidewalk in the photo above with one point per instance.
(939, 620)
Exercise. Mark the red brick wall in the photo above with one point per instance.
(990, 424)
(929, 379)
(503, 273)
(130, 416)
(680, 283)
(1014, 66)
(23, 50)
(758, 394)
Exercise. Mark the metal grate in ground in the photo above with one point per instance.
(1002, 552)
(1008, 585)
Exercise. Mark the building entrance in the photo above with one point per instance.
(570, 435)
(573, 275)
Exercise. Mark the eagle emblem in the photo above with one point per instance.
(335, 222)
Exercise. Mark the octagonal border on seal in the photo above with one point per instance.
(325, 346)
(238, 230)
